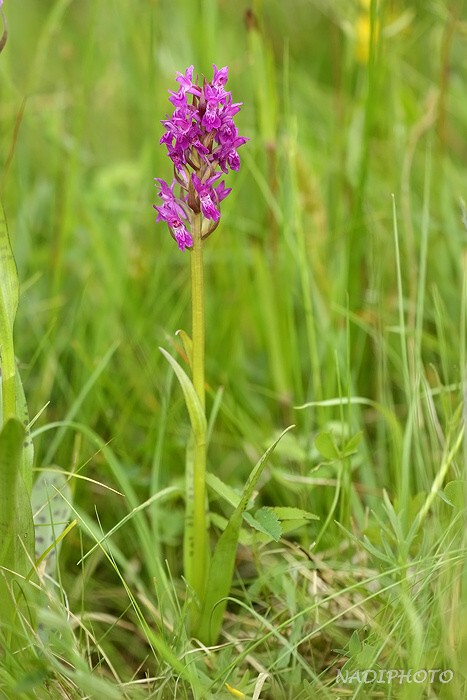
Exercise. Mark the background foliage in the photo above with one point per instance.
(338, 271)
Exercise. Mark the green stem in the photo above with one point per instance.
(199, 561)
(7, 366)
(197, 311)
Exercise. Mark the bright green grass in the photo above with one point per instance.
(338, 271)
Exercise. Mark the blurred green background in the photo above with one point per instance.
(351, 108)
(333, 136)
(301, 275)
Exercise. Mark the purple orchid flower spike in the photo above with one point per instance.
(202, 141)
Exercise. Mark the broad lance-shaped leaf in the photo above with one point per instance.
(12, 399)
(27, 457)
(51, 507)
(16, 524)
(8, 304)
(223, 560)
(197, 440)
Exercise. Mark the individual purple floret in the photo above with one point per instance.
(202, 142)
(207, 196)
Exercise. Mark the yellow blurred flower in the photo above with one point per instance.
(236, 693)
(363, 32)
(394, 25)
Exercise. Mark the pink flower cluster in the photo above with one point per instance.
(202, 142)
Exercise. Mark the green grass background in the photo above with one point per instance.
(338, 271)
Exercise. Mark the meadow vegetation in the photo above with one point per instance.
(336, 290)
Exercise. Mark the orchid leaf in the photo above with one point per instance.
(12, 399)
(197, 417)
(223, 559)
(16, 523)
(27, 457)
(9, 294)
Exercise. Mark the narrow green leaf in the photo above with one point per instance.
(8, 304)
(195, 411)
(223, 490)
(223, 559)
(388, 560)
(289, 513)
(325, 444)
